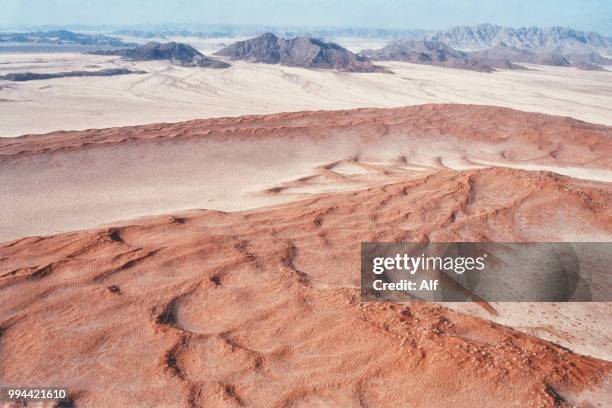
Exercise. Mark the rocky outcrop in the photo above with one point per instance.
(502, 56)
(505, 52)
(32, 76)
(178, 53)
(303, 52)
(436, 53)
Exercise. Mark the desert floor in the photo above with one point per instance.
(169, 93)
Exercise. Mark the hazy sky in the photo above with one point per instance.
(593, 15)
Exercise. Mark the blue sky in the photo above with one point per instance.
(593, 15)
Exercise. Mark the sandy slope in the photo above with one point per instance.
(74, 180)
(170, 93)
(260, 307)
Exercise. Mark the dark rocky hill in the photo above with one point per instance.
(502, 56)
(178, 53)
(304, 52)
(586, 60)
(436, 53)
(559, 57)
(505, 52)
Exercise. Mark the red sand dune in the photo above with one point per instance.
(261, 307)
(67, 181)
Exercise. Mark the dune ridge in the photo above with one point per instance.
(261, 308)
(496, 123)
(231, 164)
(250, 295)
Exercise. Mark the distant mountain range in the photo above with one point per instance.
(465, 38)
(171, 33)
(218, 31)
(478, 37)
(433, 52)
(304, 52)
(521, 55)
(436, 53)
(60, 37)
(177, 53)
(485, 36)
(483, 47)
(486, 47)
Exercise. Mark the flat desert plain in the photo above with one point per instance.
(169, 93)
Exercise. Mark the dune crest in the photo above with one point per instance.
(231, 164)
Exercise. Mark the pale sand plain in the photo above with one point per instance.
(169, 93)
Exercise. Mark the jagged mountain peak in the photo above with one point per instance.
(304, 51)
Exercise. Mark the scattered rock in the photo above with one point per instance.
(32, 76)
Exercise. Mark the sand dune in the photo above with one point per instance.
(251, 298)
(261, 308)
(169, 93)
(73, 180)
